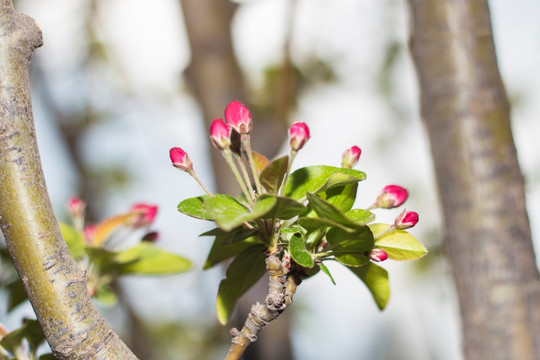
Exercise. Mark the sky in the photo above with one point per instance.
(149, 45)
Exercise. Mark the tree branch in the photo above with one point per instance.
(55, 285)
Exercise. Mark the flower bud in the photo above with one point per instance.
(407, 219)
(180, 159)
(377, 255)
(76, 207)
(237, 115)
(145, 214)
(220, 134)
(90, 233)
(298, 135)
(392, 196)
(151, 237)
(350, 157)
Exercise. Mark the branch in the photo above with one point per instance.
(56, 287)
(282, 285)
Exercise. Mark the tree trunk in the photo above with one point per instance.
(54, 284)
(488, 239)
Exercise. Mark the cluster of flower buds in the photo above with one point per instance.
(238, 124)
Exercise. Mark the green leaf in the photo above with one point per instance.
(243, 273)
(326, 210)
(398, 244)
(106, 295)
(228, 245)
(284, 209)
(147, 259)
(31, 331)
(376, 280)
(273, 174)
(327, 272)
(102, 259)
(350, 248)
(17, 295)
(342, 197)
(229, 213)
(48, 356)
(194, 207)
(316, 179)
(74, 240)
(299, 253)
(360, 216)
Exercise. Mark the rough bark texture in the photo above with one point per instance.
(466, 112)
(55, 285)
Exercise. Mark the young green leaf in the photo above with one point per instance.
(102, 259)
(398, 244)
(284, 209)
(147, 259)
(105, 295)
(74, 240)
(316, 179)
(194, 207)
(327, 272)
(31, 331)
(299, 253)
(242, 274)
(229, 245)
(229, 213)
(360, 216)
(273, 174)
(376, 280)
(352, 259)
(326, 210)
(341, 197)
(17, 294)
(343, 242)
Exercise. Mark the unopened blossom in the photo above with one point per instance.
(180, 159)
(90, 233)
(151, 236)
(392, 196)
(298, 135)
(146, 214)
(220, 133)
(377, 255)
(237, 115)
(76, 207)
(407, 219)
(350, 157)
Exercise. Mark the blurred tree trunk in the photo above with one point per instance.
(488, 239)
(215, 78)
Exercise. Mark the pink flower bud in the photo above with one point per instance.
(407, 219)
(350, 157)
(392, 196)
(377, 255)
(180, 159)
(237, 115)
(76, 207)
(220, 133)
(145, 214)
(90, 233)
(298, 135)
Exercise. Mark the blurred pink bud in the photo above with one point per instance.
(407, 219)
(237, 115)
(180, 159)
(145, 214)
(378, 255)
(89, 233)
(392, 196)
(152, 236)
(350, 157)
(76, 207)
(220, 133)
(298, 135)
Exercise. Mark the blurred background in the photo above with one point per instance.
(119, 82)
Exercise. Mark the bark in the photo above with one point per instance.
(55, 286)
(488, 239)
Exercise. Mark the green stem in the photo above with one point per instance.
(292, 156)
(194, 175)
(248, 194)
(247, 150)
